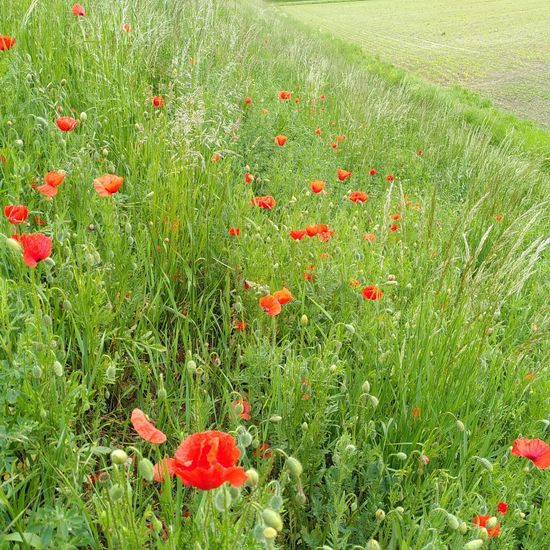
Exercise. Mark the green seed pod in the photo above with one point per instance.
(146, 469)
(294, 466)
(300, 499)
(116, 492)
(272, 519)
(253, 477)
(452, 522)
(475, 544)
(118, 456)
(58, 368)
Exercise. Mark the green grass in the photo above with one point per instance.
(142, 284)
(493, 47)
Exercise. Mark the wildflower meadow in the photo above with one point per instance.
(256, 292)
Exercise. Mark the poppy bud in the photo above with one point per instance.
(272, 519)
(366, 386)
(37, 371)
(462, 528)
(118, 456)
(452, 522)
(373, 401)
(269, 533)
(116, 492)
(372, 545)
(83, 117)
(483, 533)
(63, 82)
(400, 509)
(401, 456)
(294, 466)
(460, 426)
(222, 500)
(146, 469)
(326, 547)
(300, 499)
(58, 368)
(491, 522)
(14, 245)
(333, 368)
(253, 477)
(238, 408)
(305, 426)
(350, 329)
(304, 320)
(191, 366)
(162, 393)
(486, 464)
(276, 418)
(19, 143)
(276, 502)
(475, 544)
(380, 514)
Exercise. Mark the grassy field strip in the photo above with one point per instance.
(498, 47)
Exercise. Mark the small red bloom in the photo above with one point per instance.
(126, 27)
(207, 460)
(415, 411)
(322, 97)
(52, 180)
(355, 283)
(535, 450)
(283, 296)
(372, 292)
(284, 95)
(340, 138)
(267, 202)
(66, 123)
(297, 234)
(502, 508)
(157, 101)
(373, 172)
(234, 231)
(334, 145)
(241, 325)
(499, 217)
(420, 152)
(317, 186)
(394, 227)
(78, 10)
(145, 429)
(343, 174)
(396, 216)
(358, 196)
(248, 177)
(262, 451)
(16, 213)
(6, 42)
(389, 178)
(245, 406)
(371, 237)
(248, 100)
(482, 522)
(108, 184)
(318, 131)
(36, 247)
(308, 276)
(281, 140)
(270, 305)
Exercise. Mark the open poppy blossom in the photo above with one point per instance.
(536, 450)
(390, 178)
(78, 10)
(145, 429)
(66, 123)
(317, 186)
(245, 406)
(396, 217)
(157, 101)
(207, 460)
(281, 140)
(52, 180)
(285, 95)
(420, 152)
(248, 100)
(270, 305)
(283, 296)
(394, 227)
(267, 202)
(502, 507)
(499, 217)
(248, 177)
(358, 196)
(318, 131)
(372, 292)
(343, 174)
(16, 213)
(164, 468)
(297, 234)
(334, 145)
(241, 325)
(482, 522)
(36, 247)
(373, 172)
(234, 231)
(108, 184)
(6, 42)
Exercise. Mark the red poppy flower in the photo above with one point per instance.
(420, 152)
(394, 227)
(396, 216)
(372, 292)
(371, 237)
(248, 177)
(312, 230)
(145, 429)
(334, 145)
(482, 522)
(270, 305)
(79, 10)
(36, 247)
(283, 296)
(39, 221)
(207, 460)
(248, 100)
(245, 408)
(322, 97)
(267, 202)
(126, 27)
(164, 467)
(308, 276)
(6, 42)
(66, 123)
(535, 450)
(297, 234)
(108, 184)
(389, 177)
(340, 138)
(157, 101)
(343, 174)
(3, 160)
(318, 131)
(317, 186)
(284, 95)
(499, 217)
(262, 451)
(502, 507)
(281, 140)
(241, 325)
(415, 411)
(324, 236)
(16, 213)
(234, 231)
(215, 157)
(355, 283)
(358, 196)
(52, 180)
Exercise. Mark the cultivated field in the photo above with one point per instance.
(500, 48)
(255, 296)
